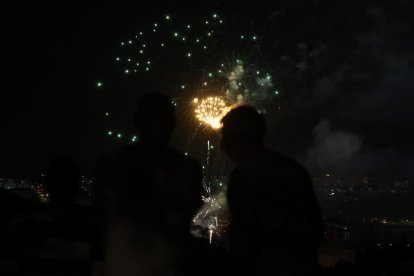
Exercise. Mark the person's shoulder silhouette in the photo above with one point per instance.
(273, 209)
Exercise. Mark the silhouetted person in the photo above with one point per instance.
(152, 192)
(10, 206)
(155, 120)
(62, 182)
(275, 220)
(58, 237)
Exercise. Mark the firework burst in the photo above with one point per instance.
(211, 110)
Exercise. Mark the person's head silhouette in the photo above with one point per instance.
(62, 181)
(155, 118)
(242, 132)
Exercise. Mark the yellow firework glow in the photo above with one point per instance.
(211, 110)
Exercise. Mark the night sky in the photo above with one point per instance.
(346, 70)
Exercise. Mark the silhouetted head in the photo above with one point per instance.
(155, 118)
(242, 132)
(62, 181)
